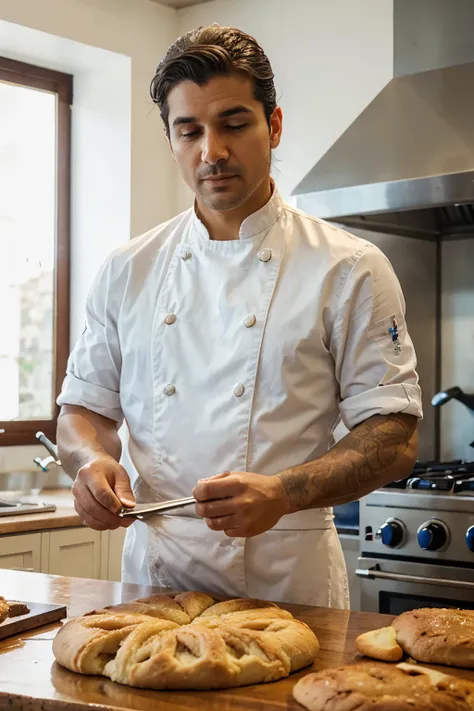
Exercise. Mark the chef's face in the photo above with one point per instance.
(221, 139)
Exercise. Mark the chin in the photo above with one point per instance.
(223, 202)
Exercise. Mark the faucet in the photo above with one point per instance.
(43, 464)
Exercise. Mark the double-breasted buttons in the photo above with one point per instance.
(170, 319)
(250, 321)
(186, 255)
(265, 255)
(169, 389)
(239, 390)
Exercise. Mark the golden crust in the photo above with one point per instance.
(141, 643)
(437, 636)
(380, 644)
(381, 687)
(4, 609)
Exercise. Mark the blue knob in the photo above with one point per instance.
(432, 536)
(425, 538)
(391, 534)
(470, 538)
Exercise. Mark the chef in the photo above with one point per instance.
(231, 341)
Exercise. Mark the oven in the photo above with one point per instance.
(392, 586)
(417, 543)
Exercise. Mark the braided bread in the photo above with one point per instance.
(186, 641)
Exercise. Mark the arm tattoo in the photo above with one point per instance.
(379, 450)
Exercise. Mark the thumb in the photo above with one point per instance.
(123, 489)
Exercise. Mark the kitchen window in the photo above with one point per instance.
(35, 179)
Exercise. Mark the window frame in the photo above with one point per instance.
(20, 432)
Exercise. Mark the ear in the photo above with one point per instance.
(276, 127)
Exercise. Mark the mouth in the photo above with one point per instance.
(218, 178)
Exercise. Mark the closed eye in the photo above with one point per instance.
(190, 134)
(237, 128)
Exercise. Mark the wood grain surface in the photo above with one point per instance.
(30, 679)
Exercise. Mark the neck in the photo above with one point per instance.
(224, 225)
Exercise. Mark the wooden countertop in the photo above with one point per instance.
(65, 515)
(30, 679)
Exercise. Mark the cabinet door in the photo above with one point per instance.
(74, 552)
(22, 552)
(116, 541)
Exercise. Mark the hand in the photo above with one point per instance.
(241, 504)
(100, 490)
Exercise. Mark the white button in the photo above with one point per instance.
(186, 255)
(239, 390)
(170, 318)
(169, 390)
(250, 321)
(265, 255)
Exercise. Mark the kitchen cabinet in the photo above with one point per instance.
(21, 552)
(75, 552)
(114, 555)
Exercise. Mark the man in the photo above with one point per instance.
(232, 339)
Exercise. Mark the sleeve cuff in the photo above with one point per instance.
(93, 397)
(382, 400)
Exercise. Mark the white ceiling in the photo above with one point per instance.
(180, 3)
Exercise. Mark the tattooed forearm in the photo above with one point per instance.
(375, 452)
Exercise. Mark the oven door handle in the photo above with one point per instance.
(373, 572)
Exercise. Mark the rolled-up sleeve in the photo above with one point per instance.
(376, 373)
(93, 371)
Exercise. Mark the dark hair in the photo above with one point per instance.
(206, 52)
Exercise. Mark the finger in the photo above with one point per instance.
(89, 520)
(235, 533)
(93, 508)
(123, 489)
(219, 476)
(221, 524)
(222, 488)
(104, 494)
(221, 507)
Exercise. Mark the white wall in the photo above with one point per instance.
(457, 360)
(141, 30)
(330, 59)
(123, 178)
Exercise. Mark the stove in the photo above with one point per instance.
(15, 508)
(417, 540)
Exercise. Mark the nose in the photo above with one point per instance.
(213, 149)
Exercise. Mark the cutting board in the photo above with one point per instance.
(40, 614)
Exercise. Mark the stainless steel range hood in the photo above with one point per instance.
(406, 164)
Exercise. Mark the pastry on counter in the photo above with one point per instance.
(187, 641)
(382, 687)
(11, 609)
(429, 635)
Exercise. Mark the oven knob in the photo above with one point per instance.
(432, 535)
(470, 538)
(391, 533)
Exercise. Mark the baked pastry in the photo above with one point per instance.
(430, 635)
(187, 641)
(11, 609)
(381, 687)
(15, 609)
(380, 644)
(4, 609)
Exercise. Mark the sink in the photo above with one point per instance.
(22, 483)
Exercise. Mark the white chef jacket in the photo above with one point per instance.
(241, 355)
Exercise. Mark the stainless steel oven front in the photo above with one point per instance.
(393, 586)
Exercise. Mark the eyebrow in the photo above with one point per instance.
(235, 110)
